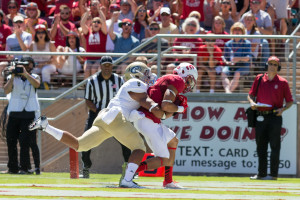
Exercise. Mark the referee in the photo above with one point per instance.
(100, 89)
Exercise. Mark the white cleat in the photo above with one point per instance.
(40, 124)
(173, 185)
(129, 184)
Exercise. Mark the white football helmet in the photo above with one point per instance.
(189, 74)
(138, 70)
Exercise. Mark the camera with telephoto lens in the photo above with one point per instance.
(13, 67)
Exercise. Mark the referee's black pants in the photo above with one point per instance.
(268, 131)
(85, 155)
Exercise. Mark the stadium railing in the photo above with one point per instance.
(291, 43)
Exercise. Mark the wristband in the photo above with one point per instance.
(153, 106)
(180, 109)
(172, 92)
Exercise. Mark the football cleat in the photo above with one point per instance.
(124, 166)
(129, 184)
(172, 185)
(40, 124)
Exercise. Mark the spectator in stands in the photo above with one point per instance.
(20, 40)
(237, 55)
(66, 63)
(242, 6)
(62, 26)
(80, 33)
(22, 108)
(124, 42)
(94, 6)
(13, 7)
(263, 19)
(154, 13)
(166, 27)
(152, 47)
(280, 8)
(251, 28)
(59, 3)
(210, 61)
(128, 8)
(142, 59)
(76, 14)
(189, 26)
(4, 5)
(109, 43)
(42, 6)
(188, 6)
(140, 27)
(210, 10)
(95, 38)
(5, 31)
(218, 28)
(45, 64)
(197, 15)
(228, 13)
(259, 47)
(33, 13)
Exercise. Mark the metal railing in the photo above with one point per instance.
(158, 56)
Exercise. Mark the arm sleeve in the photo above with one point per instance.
(178, 83)
(137, 86)
(254, 86)
(287, 92)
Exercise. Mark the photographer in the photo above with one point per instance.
(23, 105)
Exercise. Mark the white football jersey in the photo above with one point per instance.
(123, 100)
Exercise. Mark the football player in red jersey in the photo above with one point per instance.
(162, 140)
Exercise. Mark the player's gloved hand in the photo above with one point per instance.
(136, 115)
(183, 102)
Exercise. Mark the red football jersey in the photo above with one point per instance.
(157, 91)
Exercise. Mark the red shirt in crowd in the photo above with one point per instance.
(193, 43)
(41, 5)
(5, 31)
(220, 42)
(95, 42)
(192, 5)
(203, 53)
(4, 5)
(271, 92)
(60, 39)
(58, 3)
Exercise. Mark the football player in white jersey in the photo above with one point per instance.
(114, 121)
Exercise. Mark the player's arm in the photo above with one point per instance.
(167, 104)
(148, 103)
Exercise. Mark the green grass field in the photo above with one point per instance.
(104, 186)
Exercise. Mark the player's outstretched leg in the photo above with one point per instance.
(63, 136)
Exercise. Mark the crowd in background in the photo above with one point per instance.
(119, 26)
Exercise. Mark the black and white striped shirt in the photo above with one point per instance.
(101, 91)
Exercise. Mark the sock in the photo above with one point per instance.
(143, 166)
(168, 174)
(55, 132)
(130, 171)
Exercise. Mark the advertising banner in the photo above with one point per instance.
(214, 138)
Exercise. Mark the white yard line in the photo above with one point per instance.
(139, 194)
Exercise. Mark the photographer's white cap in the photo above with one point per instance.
(165, 10)
(18, 18)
